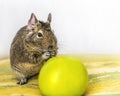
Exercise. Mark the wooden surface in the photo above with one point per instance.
(104, 78)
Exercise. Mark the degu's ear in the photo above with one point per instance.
(32, 21)
(49, 18)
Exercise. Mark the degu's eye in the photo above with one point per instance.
(39, 35)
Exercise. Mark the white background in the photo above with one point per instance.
(81, 26)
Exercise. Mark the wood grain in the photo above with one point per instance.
(104, 78)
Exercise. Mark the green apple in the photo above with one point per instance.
(63, 76)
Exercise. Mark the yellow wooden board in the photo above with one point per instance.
(104, 78)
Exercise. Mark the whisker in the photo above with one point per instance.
(62, 46)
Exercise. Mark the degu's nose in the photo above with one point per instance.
(50, 47)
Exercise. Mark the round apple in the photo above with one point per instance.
(63, 76)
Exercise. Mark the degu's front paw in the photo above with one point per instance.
(22, 81)
(46, 55)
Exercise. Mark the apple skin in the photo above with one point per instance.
(63, 76)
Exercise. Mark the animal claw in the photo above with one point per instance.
(22, 81)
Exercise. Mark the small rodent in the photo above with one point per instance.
(32, 46)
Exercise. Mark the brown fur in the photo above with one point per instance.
(31, 47)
